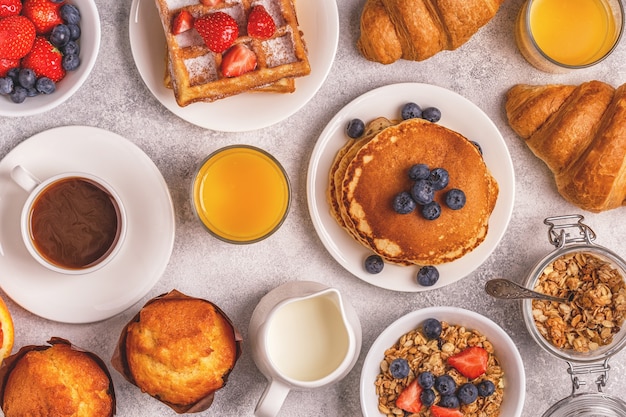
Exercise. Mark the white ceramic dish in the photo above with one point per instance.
(144, 253)
(458, 114)
(89, 46)
(504, 347)
(319, 21)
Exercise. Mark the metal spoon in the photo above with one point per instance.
(509, 290)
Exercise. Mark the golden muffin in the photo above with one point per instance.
(180, 350)
(56, 380)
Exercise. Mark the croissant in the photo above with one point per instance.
(580, 133)
(417, 29)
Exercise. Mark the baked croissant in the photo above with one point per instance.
(580, 133)
(418, 29)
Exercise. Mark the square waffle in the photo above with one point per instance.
(194, 71)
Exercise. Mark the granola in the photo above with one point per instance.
(597, 310)
(431, 355)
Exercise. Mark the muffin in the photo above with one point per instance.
(180, 350)
(57, 380)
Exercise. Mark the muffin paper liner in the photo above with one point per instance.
(120, 364)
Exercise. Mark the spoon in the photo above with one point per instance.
(509, 290)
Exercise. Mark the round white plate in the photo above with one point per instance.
(319, 21)
(89, 46)
(145, 251)
(458, 114)
(504, 348)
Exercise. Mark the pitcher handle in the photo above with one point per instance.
(272, 399)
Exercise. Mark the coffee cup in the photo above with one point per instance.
(71, 223)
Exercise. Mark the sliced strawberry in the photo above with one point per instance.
(182, 22)
(211, 2)
(17, 34)
(44, 14)
(470, 362)
(438, 411)
(409, 398)
(8, 64)
(219, 30)
(238, 60)
(45, 60)
(10, 8)
(260, 23)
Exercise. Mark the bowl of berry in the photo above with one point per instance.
(47, 50)
(440, 362)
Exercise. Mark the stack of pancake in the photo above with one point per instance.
(368, 172)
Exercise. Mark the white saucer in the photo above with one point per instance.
(146, 249)
(458, 114)
(319, 21)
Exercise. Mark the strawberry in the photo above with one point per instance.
(470, 362)
(10, 8)
(210, 2)
(44, 14)
(45, 60)
(238, 60)
(409, 398)
(17, 34)
(438, 411)
(8, 64)
(183, 21)
(219, 30)
(260, 23)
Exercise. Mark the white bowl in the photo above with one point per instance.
(505, 350)
(89, 45)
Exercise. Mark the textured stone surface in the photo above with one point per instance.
(236, 277)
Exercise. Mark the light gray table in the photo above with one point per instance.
(236, 277)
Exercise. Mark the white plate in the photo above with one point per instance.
(145, 251)
(319, 21)
(504, 348)
(458, 114)
(89, 46)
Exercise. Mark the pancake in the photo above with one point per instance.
(373, 170)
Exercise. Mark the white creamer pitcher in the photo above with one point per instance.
(303, 335)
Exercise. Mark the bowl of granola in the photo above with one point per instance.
(441, 359)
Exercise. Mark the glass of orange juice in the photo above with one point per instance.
(561, 35)
(241, 194)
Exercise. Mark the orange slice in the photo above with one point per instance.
(6, 331)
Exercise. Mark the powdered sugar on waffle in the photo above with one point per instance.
(177, 4)
(280, 50)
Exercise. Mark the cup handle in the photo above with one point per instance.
(272, 399)
(24, 178)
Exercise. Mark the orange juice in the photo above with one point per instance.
(241, 194)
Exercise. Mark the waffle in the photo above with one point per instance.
(194, 71)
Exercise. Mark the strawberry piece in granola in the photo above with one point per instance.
(409, 398)
(471, 362)
(438, 411)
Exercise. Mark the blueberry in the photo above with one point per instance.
(70, 48)
(70, 14)
(374, 264)
(486, 388)
(31, 92)
(427, 276)
(439, 178)
(431, 211)
(70, 62)
(467, 393)
(14, 74)
(427, 397)
(455, 199)
(399, 368)
(57, 1)
(60, 35)
(355, 128)
(74, 32)
(27, 78)
(432, 114)
(403, 203)
(449, 401)
(422, 192)
(411, 111)
(445, 385)
(432, 328)
(18, 95)
(45, 85)
(419, 172)
(480, 149)
(426, 380)
(6, 85)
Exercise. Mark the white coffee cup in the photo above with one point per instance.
(304, 335)
(58, 225)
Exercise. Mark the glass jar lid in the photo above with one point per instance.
(588, 405)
